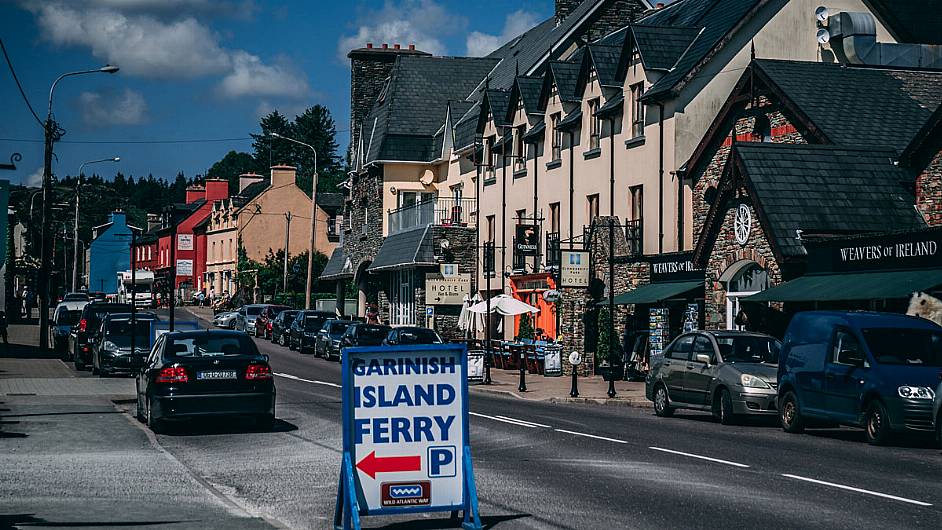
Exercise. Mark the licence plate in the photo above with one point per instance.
(216, 374)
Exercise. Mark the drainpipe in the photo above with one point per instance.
(572, 187)
(660, 180)
(680, 209)
(536, 178)
(503, 214)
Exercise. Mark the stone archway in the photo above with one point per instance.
(361, 279)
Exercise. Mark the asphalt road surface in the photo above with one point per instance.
(543, 465)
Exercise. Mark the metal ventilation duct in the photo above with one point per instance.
(853, 39)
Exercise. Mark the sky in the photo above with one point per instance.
(206, 70)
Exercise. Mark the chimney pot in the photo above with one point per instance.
(397, 46)
(412, 47)
(385, 46)
(369, 44)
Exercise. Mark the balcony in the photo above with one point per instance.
(634, 235)
(553, 255)
(438, 212)
(335, 228)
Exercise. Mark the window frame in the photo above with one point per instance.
(637, 110)
(595, 125)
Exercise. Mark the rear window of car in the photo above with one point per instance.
(372, 333)
(68, 318)
(337, 328)
(75, 297)
(419, 336)
(210, 345)
(314, 323)
(288, 315)
(97, 313)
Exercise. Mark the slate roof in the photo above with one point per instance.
(612, 106)
(414, 107)
(858, 106)
(660, 47)
(498, 100)
(467, 126)
(250, 192)
(330, 202)
(605, 59)
(716, 18)
(572, 120)
(334, 269)
(405, 249)
(528, 89)
(535, 133)
(913, 21)
(827, 190)
(566, 76)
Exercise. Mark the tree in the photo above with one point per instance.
(234, 164)
(269, 152)
(525, 331)
(604, 352)
(315, 126)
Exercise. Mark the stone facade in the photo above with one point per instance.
(364, 210)
(615, 17)
(929, 192)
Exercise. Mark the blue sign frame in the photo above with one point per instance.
(348, 508)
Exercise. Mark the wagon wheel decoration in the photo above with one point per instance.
(743, 224)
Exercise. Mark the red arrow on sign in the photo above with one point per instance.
(371, 464)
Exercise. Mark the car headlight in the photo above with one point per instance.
(751, 381)
(916, 392)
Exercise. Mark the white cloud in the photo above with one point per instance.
(251, 77)
(35, 179)
(102, 110)
(516, 23)
(419, 22)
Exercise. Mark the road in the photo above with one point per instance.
(538, 465)
(542, 465)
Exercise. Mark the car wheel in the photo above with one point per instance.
(265, 422)
(281, 340)
(139, 414)
(723, 407)
(790, 414)
(877, 424)
(661, 402)
(154, 424)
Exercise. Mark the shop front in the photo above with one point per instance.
(532, 289)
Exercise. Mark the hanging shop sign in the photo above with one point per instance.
(447, 290)
(574, 268)
(526, 242)
(552, 296)
(405, 434)
(910, 250)
(184, 241)
(184, 267)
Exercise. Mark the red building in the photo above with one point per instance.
(190, 257)
(145, 252)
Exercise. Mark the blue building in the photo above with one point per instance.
(109, 252)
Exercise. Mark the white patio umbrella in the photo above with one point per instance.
(503, 304)
(470, 322)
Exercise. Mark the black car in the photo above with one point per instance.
(328, 338)
(361, 334)
(412, 335)
(194, 374)
(112, 350)
(83, 335)
(62, 322)
(280, 325)
(265, 318)
(304, 329)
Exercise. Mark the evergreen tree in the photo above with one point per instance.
(525, 331)
(270, 151)
(604, 351)
(234, 164)
(315, 126)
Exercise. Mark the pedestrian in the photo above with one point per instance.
(3, 327)
(212, 296)
(200, 298)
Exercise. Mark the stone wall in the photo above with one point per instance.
(616, 16)
(929, 192)
(365, 195)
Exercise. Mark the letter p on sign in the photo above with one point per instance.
(441, 462)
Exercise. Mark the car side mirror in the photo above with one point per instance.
(704, 358)
(266, 357)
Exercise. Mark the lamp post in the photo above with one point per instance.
(75, 228)
(310, 256)
(52, 134)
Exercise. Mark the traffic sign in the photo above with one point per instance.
(405, 433)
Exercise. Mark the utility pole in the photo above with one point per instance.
(133, 292)
(284, 279)
(173, 266)
(75, 229)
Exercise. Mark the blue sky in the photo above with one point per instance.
(206, 69)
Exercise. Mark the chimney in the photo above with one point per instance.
(195, 193)
(564, 7)
(283, 176)
(153, 221)
(247, 179)
(216, 189)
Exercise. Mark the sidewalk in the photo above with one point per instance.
(556, 389)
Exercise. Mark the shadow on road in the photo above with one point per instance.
(857, 436)
(487, 521)
(23, 351)
(10, 521)
(214, 426)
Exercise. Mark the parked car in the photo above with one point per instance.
(66, 315)
(303, 331)
(83, 335)
(97, 296)
(362, 334)
(245, 321)
(864, 369)
(280, 326)
(729, 373)
(225, 320)
(112, 352)
(412, 335)
(265, 318)
(75, 297)
(327, 344)
(937, 414)
(193, 374)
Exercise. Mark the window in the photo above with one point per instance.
(681, 348)
(592, 203)
(595, 124)
(214, 255)
(456, 192)
(846, 349)
(402, 297)
(521, 216)
(637, 110)
(490, 261)
(554, 217)
(149, 253)
(366, 221)
(520, 154)
(702, 346)
(557, 137)
(490, 168)
(636, 196)
(634, 227)
(490, 228)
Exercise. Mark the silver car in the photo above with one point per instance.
(729, 373)
(225, 320)
(245, 321)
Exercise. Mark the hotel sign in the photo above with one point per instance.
(447, 291)
(574, 268)
(911, 250)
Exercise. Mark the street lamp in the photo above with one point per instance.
(51, 135)
(75, 229)
(310, 256)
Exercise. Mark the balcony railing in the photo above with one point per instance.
(440, 212)
(634, 234)
(553, 255)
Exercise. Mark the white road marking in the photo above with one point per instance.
(528, 422)
(858, 490)
(296, 378)
(504, 420)
(574, 433)
(691, 455)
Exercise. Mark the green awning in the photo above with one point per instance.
(657, 292)
(851, 286)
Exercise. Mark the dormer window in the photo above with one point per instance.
(595, 124)
(557, 146)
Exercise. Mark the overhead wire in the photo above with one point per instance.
(18, 85)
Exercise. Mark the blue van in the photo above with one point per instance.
(865, 369)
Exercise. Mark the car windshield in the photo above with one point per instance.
(98, 314)
(905, 346)
(210, 345)
(748, 349)
(253, 310)
(419, 336)
(75, 297)
(68, 318)
(313, 323)
(119, 332)
(337, 328)
(371, 335)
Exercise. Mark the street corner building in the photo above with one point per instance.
(679, 159)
